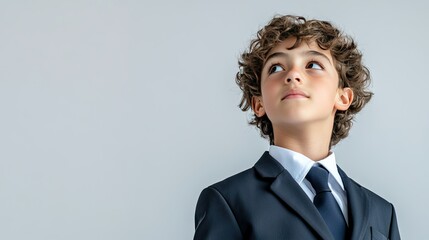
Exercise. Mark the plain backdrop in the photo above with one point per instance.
(114, 115)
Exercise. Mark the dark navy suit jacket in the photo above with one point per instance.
(265, 202)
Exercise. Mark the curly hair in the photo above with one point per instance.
(348, 63)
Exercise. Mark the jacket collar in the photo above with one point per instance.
(358, 207)
(286, 188)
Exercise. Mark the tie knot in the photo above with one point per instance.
(318, 177)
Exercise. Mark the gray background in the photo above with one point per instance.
(116, 114)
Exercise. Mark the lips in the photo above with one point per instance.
(295, 93)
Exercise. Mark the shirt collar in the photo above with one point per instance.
(298, 165)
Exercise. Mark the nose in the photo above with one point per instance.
(289, 80)
(293, 76)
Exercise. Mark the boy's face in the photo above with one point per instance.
(300, 86)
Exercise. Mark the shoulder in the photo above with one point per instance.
(226, 196)
(355, 189)
(250, 180)
(236, 183)
(244, 189)
(376, 202)
(380, 213)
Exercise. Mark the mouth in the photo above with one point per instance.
(294, 93)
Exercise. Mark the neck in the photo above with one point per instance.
(312, 141)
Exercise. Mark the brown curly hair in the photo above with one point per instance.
(348, 63)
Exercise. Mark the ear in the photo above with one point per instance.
(257, 106)
(344, 99)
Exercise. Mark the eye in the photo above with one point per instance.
(275, 68)
(314, 65)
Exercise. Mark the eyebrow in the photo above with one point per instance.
(308, 53)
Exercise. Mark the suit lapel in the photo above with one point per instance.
(286, 188)
(357, 207)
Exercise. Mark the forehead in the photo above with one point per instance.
(287, 45)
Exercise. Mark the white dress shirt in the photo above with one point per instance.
(299, 165)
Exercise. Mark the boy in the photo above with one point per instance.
(304, 81)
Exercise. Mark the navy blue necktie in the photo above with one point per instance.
(326, 203)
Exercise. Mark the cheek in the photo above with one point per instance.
(327, 92)
(266, 90)
(270, 85)
(269, 91)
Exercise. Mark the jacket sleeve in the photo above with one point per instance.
(214, 218)
(394, 230)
